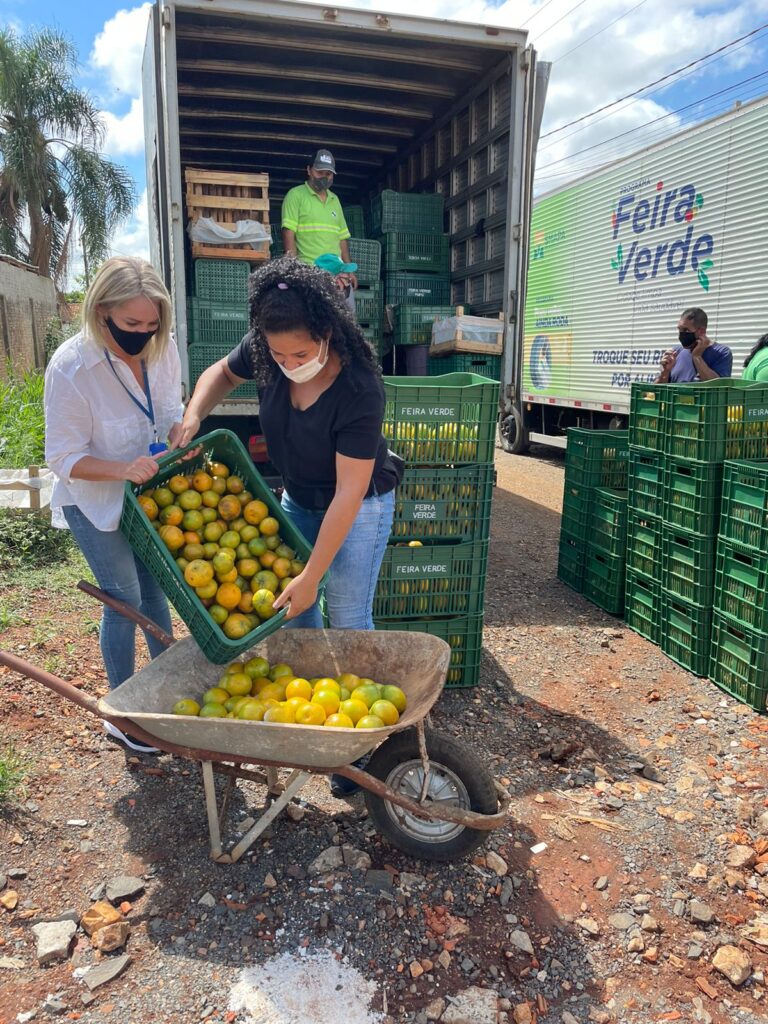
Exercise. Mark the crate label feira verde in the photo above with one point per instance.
(437, 569)
(423, 511)
(756, 411)
(445, 412)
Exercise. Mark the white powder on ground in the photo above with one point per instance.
(302, 988)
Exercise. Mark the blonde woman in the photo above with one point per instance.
(112, 400)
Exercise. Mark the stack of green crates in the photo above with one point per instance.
(218, 316)
(369, 297)
(739, 653)
(432, 579)
(593, 530)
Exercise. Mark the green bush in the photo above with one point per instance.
(22, 423)
(13, 771)
(57, 332)
(28, 541)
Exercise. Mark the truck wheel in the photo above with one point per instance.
(457, 778)
(512, 434)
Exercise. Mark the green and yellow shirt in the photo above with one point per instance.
(319, 226)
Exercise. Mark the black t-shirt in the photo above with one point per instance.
(302, 444)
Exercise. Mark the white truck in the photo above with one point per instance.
(406, 103)
(616, 256)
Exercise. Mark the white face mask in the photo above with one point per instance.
(309, 370)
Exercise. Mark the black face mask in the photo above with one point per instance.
(320, 184)
(131, 342)
(687, 338)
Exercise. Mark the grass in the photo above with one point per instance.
(13, 772)
(22, 424)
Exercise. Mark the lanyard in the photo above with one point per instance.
(148, 410)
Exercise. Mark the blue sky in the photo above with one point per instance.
(615, 46)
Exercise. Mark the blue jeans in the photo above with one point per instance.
(122, 575)
(355, 569)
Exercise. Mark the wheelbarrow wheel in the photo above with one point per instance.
(457, 778)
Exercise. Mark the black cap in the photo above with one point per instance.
(323, 161)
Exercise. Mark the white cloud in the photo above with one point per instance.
(118, 48)
(125, 132)
(133, 238)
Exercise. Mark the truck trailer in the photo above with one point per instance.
(616, 256)
(405, 103)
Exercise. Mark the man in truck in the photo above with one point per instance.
(313, 220)
(698, 358)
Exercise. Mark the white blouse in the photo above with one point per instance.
(88, 412)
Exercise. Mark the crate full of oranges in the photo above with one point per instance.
(214, 536)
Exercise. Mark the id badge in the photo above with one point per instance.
(157, 448)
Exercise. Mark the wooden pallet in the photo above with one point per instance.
(227, 197)
(458, 343)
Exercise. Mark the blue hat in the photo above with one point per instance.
(335, 264)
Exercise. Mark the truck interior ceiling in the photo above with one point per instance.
(259, 95)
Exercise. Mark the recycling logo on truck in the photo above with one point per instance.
(639, 257)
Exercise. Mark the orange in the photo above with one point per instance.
(218, 614)
(284, 583)
(228, 596)
(229, 507)
(281, 714)
(327, 699)
(395, 696)
(245, 604)
(281, 669)
(202, 481)
(310, 714)
(216, 695)
(272, 542)
(209, 550)
(244, 497)
(171, 515)
(266, 580)
(223, 561)
(281, 567)
(149, 505)
(191, 536)
(259, 682)
(172, 537)
(187, 706)
(251, 711)
(386, 711)
(227, 577)
(268, 527)
(237, 684)
(248, 533)
(193, 520)
(268, 559)
(297, 567)
(237, 524)
(367, 694)
(339, 721)
(189, 500)
(254, 512)
(326, 683)
(257, 668)
(193, 551)
(247, 567)
(178, 484)
(257, 546)
(354, 709)
(162, 496)
(218, 469)
(213, 711)
(273, 691)
(229, 539)
(283, 551)
(349, 680)
(370, 722)
(212, 532)
(207, 591)
(296, 703)
(182, 563)
(263, 601)
(235, 485)
(210, 498)
(219, 485)
(209, 514)
(236, 625)
(299, 688)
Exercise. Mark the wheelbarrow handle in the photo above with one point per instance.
(130, 613)
(60, 686)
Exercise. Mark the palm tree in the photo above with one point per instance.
(53, 180)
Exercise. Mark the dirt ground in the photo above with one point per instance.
(629, 885)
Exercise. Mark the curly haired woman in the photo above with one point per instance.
(321, 411)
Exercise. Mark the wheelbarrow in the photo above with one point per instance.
(429, 794)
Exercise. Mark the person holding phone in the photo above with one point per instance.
(112, 406)
(698, 358)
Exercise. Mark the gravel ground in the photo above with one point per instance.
(630, 883)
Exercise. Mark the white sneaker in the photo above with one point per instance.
(129, 741)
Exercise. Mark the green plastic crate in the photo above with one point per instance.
(741, 585)
(698, 419)
(608, 521)
(646, 481)
(277, 249)
(381, 342)
(642, 605)
(369, 304)
(202, 356)
(222, 280)
(415, 252)
(647, 415)
(441, 420)
(604, 580)
(413, 324)
(407, 211)
(577, 505)
(366, 253)
(686, 630)
(644, 544)
(739, 662)
(219, 446)
(747, 428)
(692, 494)
(353, 215)
(688, 561)
(435, 579)
(465, 362)
(597, 458)
(572, 555)
(417, 289)
(464, 635)
(217, 322)
(744, 507)
(444, 504)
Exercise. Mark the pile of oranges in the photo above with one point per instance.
(254, 691)
(226, 544)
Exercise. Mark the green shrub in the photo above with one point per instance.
(22, 423)
(13, 771)
(28, 541)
